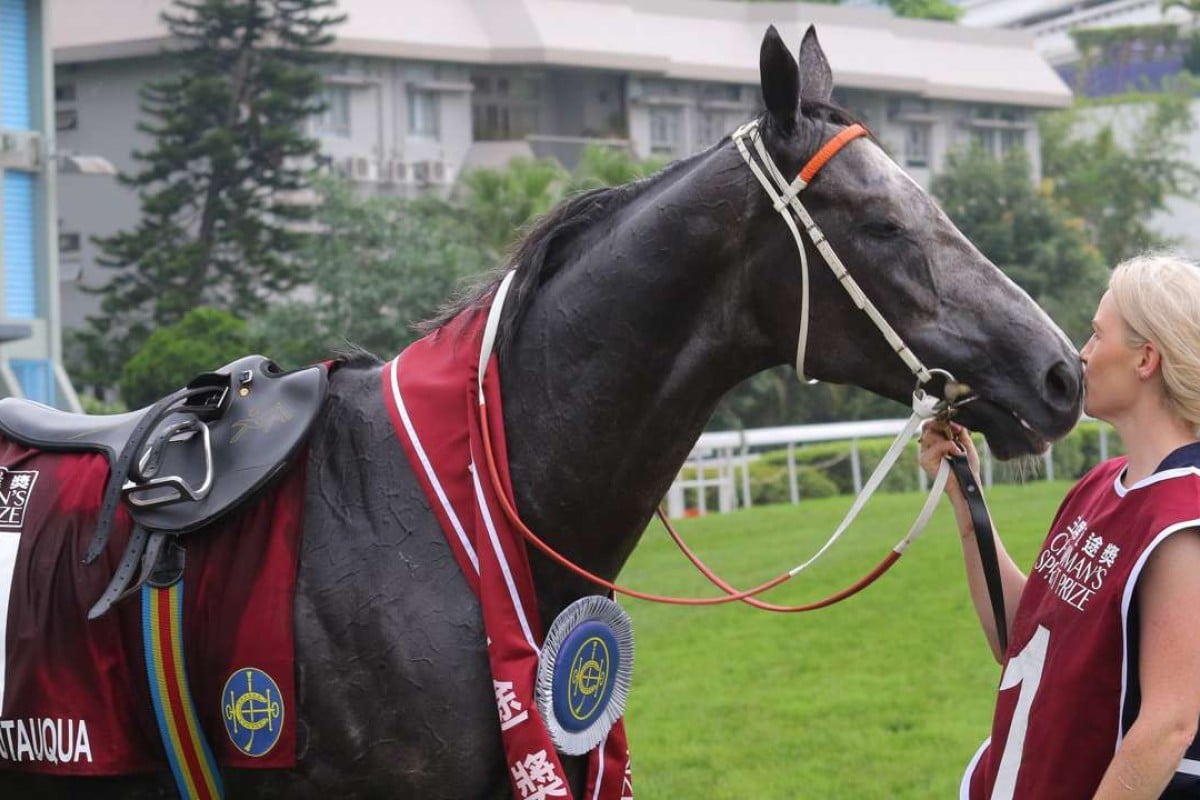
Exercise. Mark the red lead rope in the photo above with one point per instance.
(880, 568)
(731, 594)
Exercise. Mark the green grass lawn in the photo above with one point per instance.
(886, 695)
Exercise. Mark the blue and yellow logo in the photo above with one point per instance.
(584, 675)
(252, 708)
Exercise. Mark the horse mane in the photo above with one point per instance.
(829, 112)
(538, 256)
(352, 356)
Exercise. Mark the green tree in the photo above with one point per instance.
(942, 10)
(216, 223)
(918, 9)
(610, 166)
(384, 265)
(500, 202)
(776, 397)
(1191, 50)
(1025, 230)
(204, 339)
(1115, 165)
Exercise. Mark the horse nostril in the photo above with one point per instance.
(1062, 383)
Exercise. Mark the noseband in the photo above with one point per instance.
(785, 198)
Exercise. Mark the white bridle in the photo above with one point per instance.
(785, 198)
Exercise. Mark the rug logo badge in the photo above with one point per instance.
(16, 488)
(252, 708)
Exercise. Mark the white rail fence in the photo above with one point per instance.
(721, 460)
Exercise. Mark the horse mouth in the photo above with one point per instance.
(1008, 434)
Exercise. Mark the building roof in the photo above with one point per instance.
(713, 40)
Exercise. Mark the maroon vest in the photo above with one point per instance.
(1068, 673)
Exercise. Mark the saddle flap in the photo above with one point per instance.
(35, 425)
(241, 436)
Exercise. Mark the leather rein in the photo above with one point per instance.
(784, 195)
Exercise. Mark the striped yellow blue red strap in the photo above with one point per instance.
(188, 752)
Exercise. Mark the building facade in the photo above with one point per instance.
(30, 322)
(1139, 47)
(1051, 21)
(417, 93)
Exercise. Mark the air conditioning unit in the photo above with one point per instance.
(401, 172)
(394, 171)
(429, 173)
(365, 170)
(344, 168)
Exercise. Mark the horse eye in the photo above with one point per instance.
(884, 228)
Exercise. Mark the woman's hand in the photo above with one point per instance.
(939, 440)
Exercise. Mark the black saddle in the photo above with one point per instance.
(185, 461)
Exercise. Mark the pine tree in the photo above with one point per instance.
(216, 227)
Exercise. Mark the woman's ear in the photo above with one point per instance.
(1149, 361)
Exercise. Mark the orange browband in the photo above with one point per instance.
(829, 150)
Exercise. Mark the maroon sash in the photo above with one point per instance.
(431, 393)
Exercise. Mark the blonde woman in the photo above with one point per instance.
(1100, 691)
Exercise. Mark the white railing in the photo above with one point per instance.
(722, 459)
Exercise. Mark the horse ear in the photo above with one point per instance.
(780, 77)
(815, 75)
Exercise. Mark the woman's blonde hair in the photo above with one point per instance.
(1158, 296)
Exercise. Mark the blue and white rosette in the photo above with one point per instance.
(584, 673)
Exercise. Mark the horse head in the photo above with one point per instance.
(951, 305)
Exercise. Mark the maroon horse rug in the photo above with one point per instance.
(75, 694)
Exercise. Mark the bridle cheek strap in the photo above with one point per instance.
(784, 196)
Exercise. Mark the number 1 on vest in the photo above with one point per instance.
(1025, 669)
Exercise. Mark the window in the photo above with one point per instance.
(984, 139)
(665, 129)
(729, 92)
(1002, 113)
(64, 93)
(916, 145)
(506, 105)
(1013, 139)
(36, 377)
(715, 125)
(655, 88)
(69, 243)
(901, 107)
(422, 113)
(335, 119)
(66, 119)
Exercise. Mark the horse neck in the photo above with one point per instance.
(619, 362)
